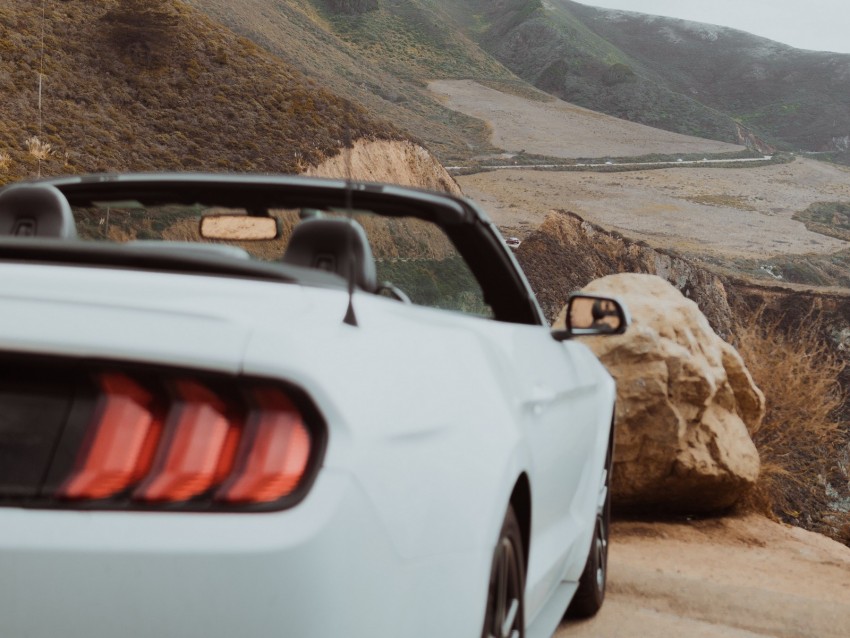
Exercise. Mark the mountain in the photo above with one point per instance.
(683, 76)
(680, 76)
(550, 46)
(794, 97)
(379, 53)
(266, 85)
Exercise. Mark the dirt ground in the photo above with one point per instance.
(730, 578)
(714, 211)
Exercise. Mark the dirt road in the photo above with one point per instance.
(730, 578)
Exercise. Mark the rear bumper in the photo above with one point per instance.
(325, 568)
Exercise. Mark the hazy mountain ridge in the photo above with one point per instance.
(686, 77)
(548, 46)
(794, 98)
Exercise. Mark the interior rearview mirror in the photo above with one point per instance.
(239, 227)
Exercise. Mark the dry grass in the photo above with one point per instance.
(39, 149)
(801, 439)
(723, 201)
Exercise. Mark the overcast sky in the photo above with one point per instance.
(820, 25)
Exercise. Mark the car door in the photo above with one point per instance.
(558, 408)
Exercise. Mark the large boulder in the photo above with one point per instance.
(685, 403)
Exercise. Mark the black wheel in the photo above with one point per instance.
(590, 594)
(504, 616)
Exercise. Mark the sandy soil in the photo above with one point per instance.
(731, 577)
(737, 212)
(561, 129)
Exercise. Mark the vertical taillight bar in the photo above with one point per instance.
(194, 439)
(274, 453)
(122, 425)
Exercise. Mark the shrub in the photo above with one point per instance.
(38, 149)
(801, 440)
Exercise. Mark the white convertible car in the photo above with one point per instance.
(254, 406)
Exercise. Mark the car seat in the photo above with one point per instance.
(36, 210)
(335, 245)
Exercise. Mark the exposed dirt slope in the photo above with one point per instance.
(561, 129)
(403, 163)
(725, 578)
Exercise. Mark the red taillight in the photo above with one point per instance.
(191, 443)
(275, 451)
(195, 434)
(123, 424)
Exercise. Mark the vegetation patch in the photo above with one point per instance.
(802, 439)
(723, 201)
(838, 157)
(832, 270)
(827, 218)
(129, 85)
(412, 40)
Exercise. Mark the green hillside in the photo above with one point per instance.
(550, 46)
(685, 77)
(796, 99)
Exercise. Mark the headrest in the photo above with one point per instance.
(336, 245)
(35, 210)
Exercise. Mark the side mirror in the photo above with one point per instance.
(593, 315)
(239, 227)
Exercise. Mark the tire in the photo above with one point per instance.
(590, 594)
(504, 616)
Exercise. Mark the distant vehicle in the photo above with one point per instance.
(609, 162)
(222, 416)
(513, 242)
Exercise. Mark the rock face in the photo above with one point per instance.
(685, 403)
(566, 252)
(403, 163)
